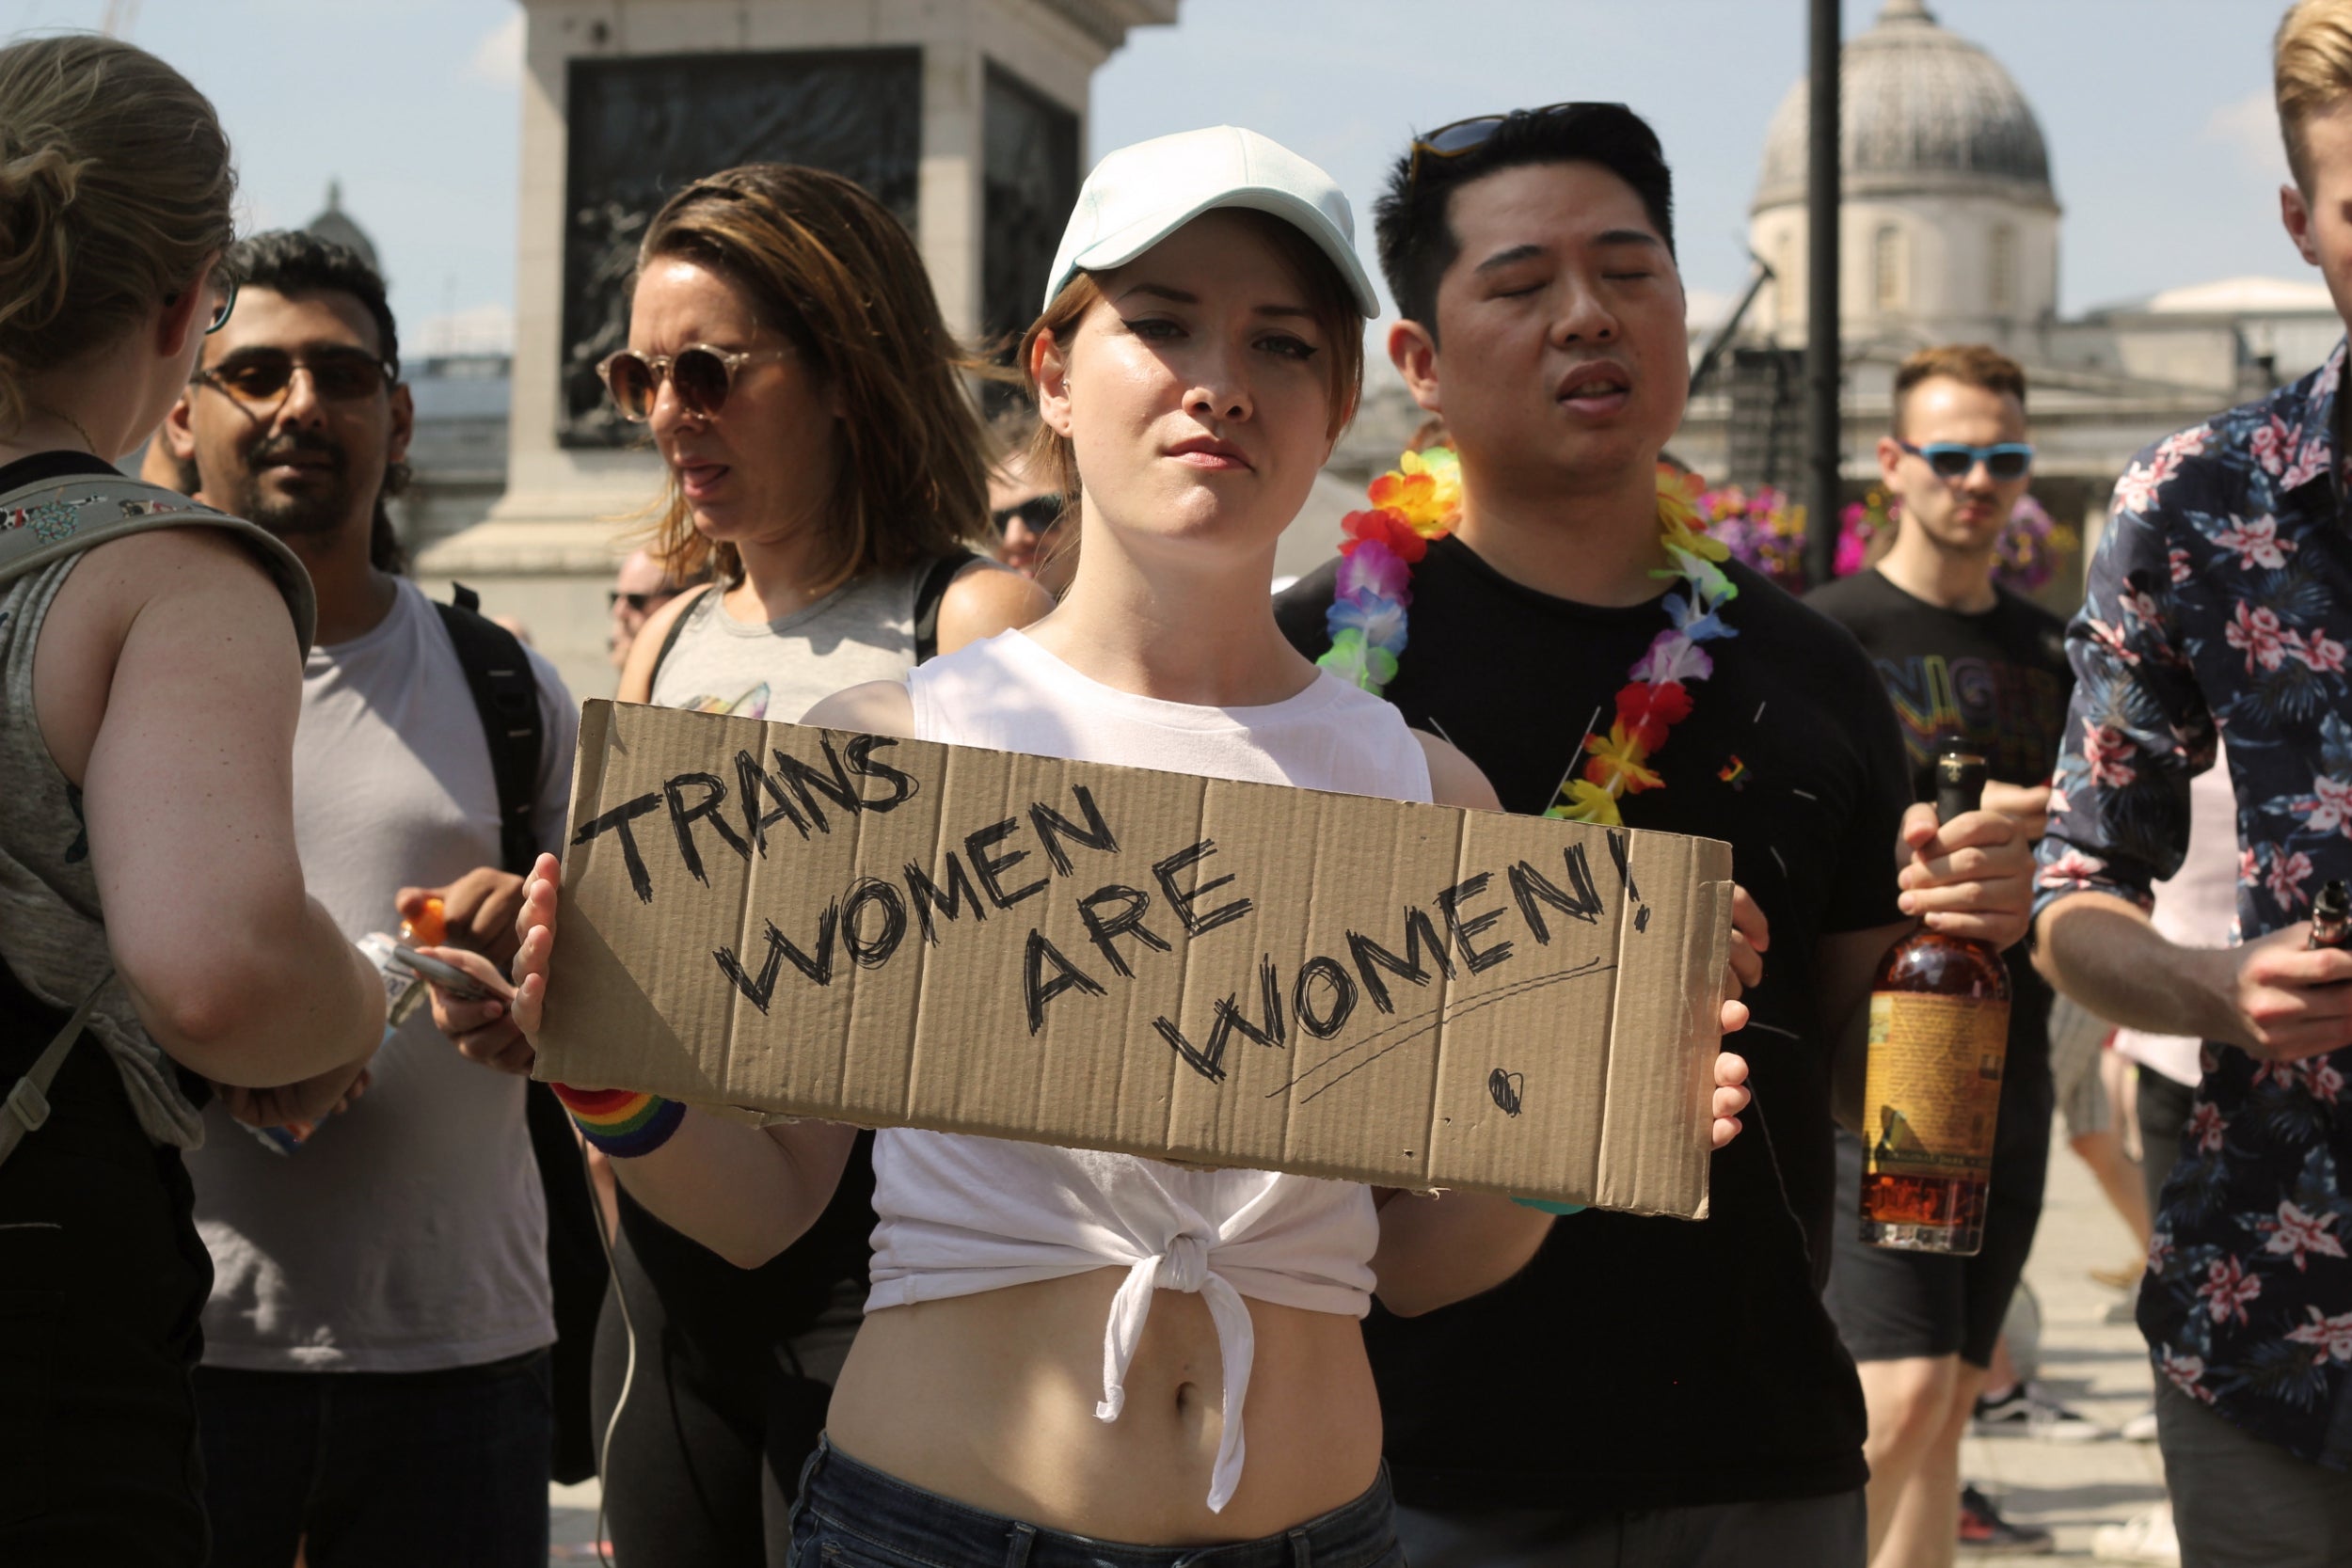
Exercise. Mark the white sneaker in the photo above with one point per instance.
(2141, 1428)
(2145, 1536)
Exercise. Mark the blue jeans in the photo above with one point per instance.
(391, 1468)
(851, 1515)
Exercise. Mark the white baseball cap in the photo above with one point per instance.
(1140, 194)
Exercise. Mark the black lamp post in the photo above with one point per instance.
(1824, 425)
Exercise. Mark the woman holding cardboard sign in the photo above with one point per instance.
(827, 468)
(1061, 1346)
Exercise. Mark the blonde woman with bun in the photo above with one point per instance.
(1072, 1358)
(159, 943)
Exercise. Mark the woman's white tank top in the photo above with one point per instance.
(961, 1214)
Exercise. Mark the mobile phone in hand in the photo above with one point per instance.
(454, 982)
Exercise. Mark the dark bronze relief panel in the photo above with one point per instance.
(1030, 147)
(643, 128)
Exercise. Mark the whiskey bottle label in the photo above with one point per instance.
(1932, 1092)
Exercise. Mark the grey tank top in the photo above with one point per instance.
(862, 631)
(53, 933)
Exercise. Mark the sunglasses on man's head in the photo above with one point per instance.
(700, 374)
(642, 603)
(1468, 136)
(2004, 460)
(261, 377)
(1038, 513)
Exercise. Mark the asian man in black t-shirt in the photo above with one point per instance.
(1647, 1391)
(1962, 659)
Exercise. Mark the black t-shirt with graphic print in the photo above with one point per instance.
(1643, 1362)
(1998, 680)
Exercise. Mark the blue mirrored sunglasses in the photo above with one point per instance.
(1955, 460)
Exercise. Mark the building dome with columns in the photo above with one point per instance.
(1949, 226)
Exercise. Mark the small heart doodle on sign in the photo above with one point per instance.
(1506, 1088)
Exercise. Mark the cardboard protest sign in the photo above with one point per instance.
(772, 920)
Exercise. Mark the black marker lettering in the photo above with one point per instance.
(866, 892)
(1183, 902)
(1531, 887)
(928, 896)
(1209, 1060)
(818, 969)
(683, 818)
(1450, 905)
(1270, 991)
(902, 785)
(1333, 973)
(752, 782)
(1052, 827)
(617, 820)
(1127, 922)
(804, 778)
(1041, 991)
(991, 867)
(1420, 930)
(1620, 847)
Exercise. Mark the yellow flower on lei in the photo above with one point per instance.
(1680, 527)
(1425, 490)
(1581, 801)
(1619, 764)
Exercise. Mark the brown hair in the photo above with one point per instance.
(830, 268)
(1331, 301)
(1970, 364)
(115, 187)
(2311, 73)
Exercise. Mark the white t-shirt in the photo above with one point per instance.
(409, 1234)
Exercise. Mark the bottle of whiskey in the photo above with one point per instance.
(1939, 1033)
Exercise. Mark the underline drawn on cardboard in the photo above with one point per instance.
(1409, 1029)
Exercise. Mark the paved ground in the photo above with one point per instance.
(2097, 1366)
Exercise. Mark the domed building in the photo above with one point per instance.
(337, 227)
(1949, 230)
(1949, 227)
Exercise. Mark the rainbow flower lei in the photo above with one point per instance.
(1420, 501)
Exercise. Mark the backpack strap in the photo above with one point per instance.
(26, 1105)
(506, 696)
(678, 626)
(928, 597)
(52, 518)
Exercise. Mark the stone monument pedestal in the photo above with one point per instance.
(966, 116)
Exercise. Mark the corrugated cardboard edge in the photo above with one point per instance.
(1706, 934)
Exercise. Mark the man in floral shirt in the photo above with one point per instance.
(2221, 601)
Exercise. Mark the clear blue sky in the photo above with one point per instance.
(2155, 110)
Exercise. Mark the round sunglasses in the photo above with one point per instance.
(701, 374)
(2004, 460)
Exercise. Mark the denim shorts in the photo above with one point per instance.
(851, 1515)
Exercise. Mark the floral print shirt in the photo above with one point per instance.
(2220, 602)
